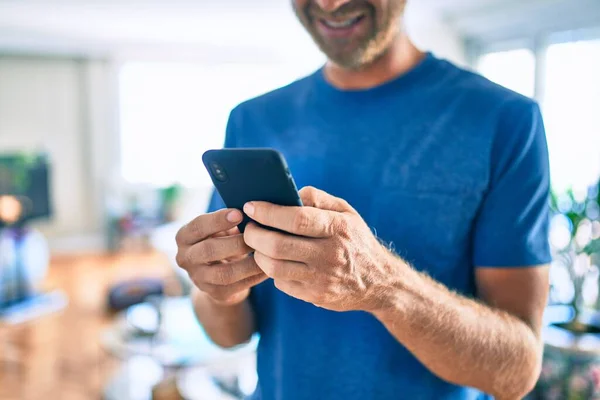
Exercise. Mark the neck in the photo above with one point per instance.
(400, 58)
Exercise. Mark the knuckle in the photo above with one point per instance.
(239, 245)
(308, 194)
(301, 220)
(340, 226)
(207, 251)
(310, 190)
(179, 259)
(179, 236)
(329, 229)
(183, 258)
(194, 227)
(339, 255)
(343, 223)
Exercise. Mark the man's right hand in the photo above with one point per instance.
(214, 254)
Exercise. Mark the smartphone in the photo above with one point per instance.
(243, 175)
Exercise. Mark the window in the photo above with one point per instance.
(571, 108)
(171, 113)
(514, 69)
(571, 87)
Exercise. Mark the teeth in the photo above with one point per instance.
(342, 24)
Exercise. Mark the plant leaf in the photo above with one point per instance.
(592, 248)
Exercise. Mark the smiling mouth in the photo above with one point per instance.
(341, 24)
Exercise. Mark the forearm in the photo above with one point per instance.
(227, 326)
(460, 340)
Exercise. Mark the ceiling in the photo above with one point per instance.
(99, 26)
(117, 25)
(508, 19)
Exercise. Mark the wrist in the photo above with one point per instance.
(395, 296)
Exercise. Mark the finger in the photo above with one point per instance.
(207, 225)
(229, 232)
(313, 197)
(292, 288)
(282, 269)
(302, 221)
(236, 258)
(227, 273)
(280, 246)
(224, 292)
(214, 249)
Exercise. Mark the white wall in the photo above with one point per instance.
(430, 32)
(40, 109)
(45, 104)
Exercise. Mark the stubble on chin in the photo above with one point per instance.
(372, 49)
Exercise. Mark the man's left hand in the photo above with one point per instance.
(330, 257)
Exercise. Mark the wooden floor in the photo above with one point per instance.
(59, 357)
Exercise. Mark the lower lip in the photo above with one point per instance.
(341, 32)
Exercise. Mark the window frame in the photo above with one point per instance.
(537, 43)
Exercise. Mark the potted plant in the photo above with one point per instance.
(571, 366)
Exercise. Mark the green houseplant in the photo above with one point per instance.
(579, 254)
(571, 367)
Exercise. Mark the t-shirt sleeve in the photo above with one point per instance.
(512, 225)
(233, 125)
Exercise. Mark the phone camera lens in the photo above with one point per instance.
(219, 172)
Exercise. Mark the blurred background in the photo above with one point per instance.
(105, 110)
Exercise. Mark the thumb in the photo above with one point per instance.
(313, 197)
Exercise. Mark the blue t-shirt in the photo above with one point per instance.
(445, 165)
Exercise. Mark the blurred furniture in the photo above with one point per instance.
(59, 356)
(129, 293)
(135, 212)
(167, 345)
(62, 356)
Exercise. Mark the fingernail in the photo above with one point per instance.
(234, 216)
(249, 209)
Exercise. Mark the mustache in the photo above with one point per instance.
(352, 7)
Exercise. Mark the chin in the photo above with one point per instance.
(353, 59)
(357, 58)
(353, 62)
(349, 65)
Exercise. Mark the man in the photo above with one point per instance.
(448, 168)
